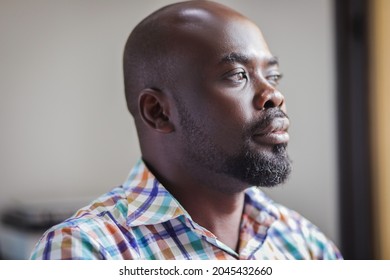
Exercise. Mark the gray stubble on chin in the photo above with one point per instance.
(260, 169)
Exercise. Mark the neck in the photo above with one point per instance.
(207, 197)
(220, 214)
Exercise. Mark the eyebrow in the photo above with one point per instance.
(243, 59)
(273, 61)
(234, 57)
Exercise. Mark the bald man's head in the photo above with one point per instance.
(201, 84)
(158, 48)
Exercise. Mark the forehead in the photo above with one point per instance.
(242, 34)
(213, 38)
(241, 39)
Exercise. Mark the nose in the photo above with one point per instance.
(268, 97)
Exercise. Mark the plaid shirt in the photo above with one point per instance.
(142, 220)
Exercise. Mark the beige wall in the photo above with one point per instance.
(380, 119)
(65, 130)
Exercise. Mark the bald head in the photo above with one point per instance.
(159, 46)
(201, 84)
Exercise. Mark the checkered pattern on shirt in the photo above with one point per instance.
(142, 220)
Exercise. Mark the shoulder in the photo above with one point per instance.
(92, 233)
(293, 233)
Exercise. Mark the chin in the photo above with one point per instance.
(263, 169)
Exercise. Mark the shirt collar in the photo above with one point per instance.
(149, 202)
(259, 207)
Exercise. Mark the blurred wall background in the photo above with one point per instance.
(380, 123)
(66, 134)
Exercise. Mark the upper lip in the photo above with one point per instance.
(275, 125)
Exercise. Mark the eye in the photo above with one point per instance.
(236, 76)
(274, 79)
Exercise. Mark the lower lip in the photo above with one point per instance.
(273, 138)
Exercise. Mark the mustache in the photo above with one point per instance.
(265, 120)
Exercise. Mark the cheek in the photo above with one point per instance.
(225, 117)
(232, 107)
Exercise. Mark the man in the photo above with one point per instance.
(201, 85)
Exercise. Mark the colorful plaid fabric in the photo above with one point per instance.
(142, 220)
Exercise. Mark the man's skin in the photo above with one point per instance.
(201, 84)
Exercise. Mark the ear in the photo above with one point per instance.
(154, 110)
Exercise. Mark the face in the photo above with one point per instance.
(232, 118)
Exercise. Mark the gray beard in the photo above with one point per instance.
(248, 165)
(259, 169)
